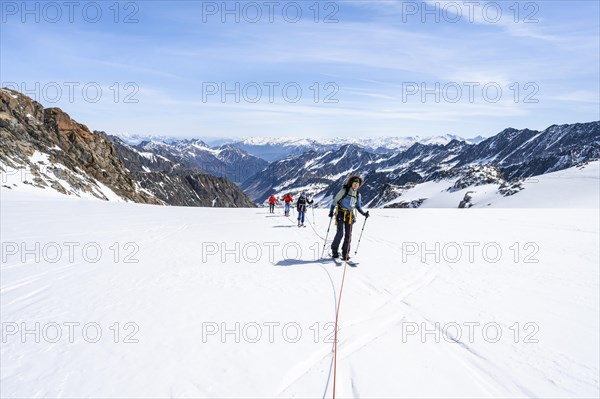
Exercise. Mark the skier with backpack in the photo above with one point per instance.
(301, 207)
(345, 202)
(287, 199)
(272, 202)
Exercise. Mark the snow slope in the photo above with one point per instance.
(569, 188)
(577, 187)
(210, 325)
(20, 179)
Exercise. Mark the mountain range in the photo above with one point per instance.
(504, 159)
(57, 152)
(276, 148)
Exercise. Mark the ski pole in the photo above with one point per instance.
(313, 213)
(359, 237)
(326, 235)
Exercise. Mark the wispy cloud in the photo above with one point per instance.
(371, 55)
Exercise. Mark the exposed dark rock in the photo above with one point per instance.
(407, 204)
(50, 150)
(466, 201)
(86, 159)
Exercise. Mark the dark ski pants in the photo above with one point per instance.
(343, 230)
(271, 207)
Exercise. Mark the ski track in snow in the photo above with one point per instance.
(353, 341)
(492, 378)
(379, 296)
(382, 319)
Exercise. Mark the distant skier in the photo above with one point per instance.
(344, 203)
(301, 208)
(287, 199)
(272, 202)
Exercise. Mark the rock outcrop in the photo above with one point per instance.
(47, 149)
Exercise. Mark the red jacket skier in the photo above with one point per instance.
(288, 200)
(272, 202)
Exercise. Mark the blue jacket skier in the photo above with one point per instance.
(345, 202)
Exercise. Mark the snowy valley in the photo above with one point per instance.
(113, 299)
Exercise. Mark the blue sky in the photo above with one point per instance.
(484, 66)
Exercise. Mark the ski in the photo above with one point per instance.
(349, 261)
(340, 262)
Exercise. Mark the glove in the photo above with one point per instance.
(366, 214)
(330, 214)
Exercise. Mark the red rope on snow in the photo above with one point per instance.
(338, 312)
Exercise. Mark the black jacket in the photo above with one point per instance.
(301, 203)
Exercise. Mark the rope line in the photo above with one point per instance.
(337, 313)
